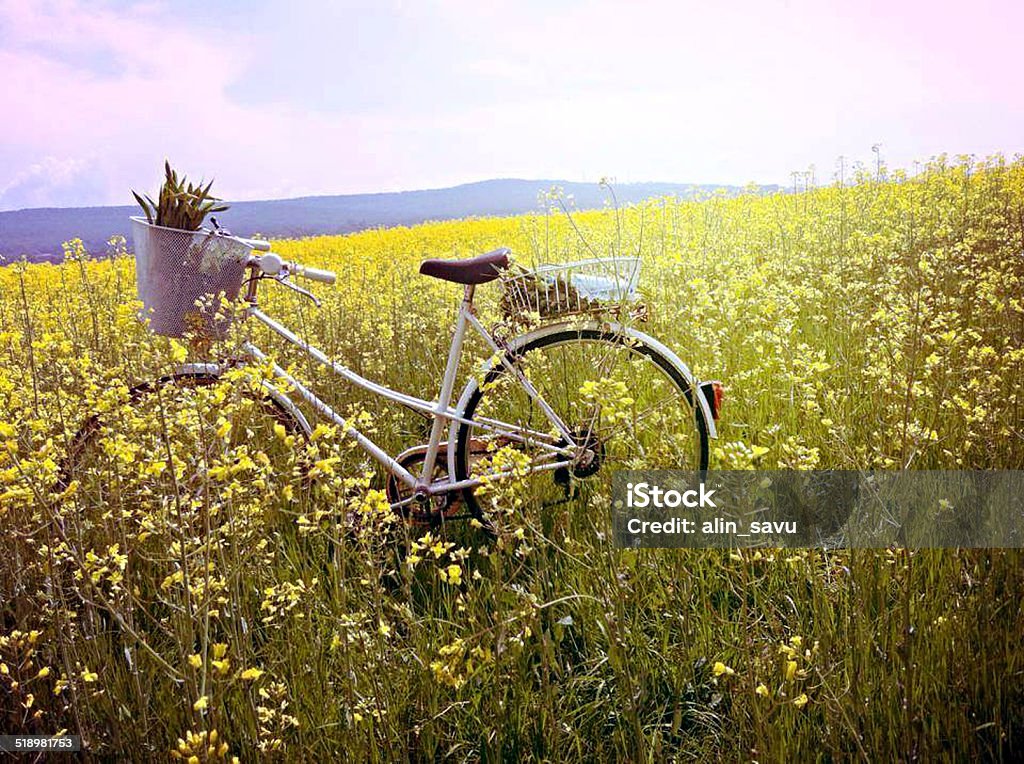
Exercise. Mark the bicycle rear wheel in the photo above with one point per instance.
(622, 398)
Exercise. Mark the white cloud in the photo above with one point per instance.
(166, 98)
(52, 182)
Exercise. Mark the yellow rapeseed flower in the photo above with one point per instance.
(178, 352)
(790, 669)
(720, 669)
(452, 574)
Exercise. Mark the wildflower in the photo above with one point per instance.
(178, 352)
(202, 704)
(251, 674)
(790, 669)
(720, 669)
(762, 690)
(452, 574)
(195, 661)
(801, 700)
(223, 428)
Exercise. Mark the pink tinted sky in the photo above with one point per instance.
(287, 99)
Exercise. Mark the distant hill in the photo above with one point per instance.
(38, 233)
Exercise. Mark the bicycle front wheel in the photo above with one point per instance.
(179, 482)
(187, 453)
(625, 403)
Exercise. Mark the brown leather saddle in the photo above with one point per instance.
(473, 270)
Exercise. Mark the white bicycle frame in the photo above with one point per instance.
(561, 447)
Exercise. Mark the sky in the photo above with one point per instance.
(285, 99)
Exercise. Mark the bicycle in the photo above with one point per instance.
(570, 391)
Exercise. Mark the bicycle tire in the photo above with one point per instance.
(686, 388)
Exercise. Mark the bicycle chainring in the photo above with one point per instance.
(434, 508)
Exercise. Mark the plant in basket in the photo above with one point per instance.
(179, 264)
(182, 205)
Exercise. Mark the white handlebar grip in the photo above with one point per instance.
(316, 274)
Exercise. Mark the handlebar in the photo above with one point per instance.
(260, 245)
(272, 264)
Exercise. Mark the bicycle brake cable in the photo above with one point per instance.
(284, 281)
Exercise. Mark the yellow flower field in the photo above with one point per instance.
(279, 608)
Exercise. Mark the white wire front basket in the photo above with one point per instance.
(184, 278)
(585, 287)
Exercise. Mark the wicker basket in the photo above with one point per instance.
(586, 287)
(175, 269)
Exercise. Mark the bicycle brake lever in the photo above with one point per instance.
(217, 227)
(283, 281)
